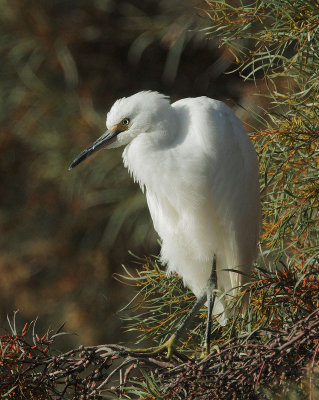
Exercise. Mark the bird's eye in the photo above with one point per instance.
(125, 121)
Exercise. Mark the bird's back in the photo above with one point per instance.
(212, 205)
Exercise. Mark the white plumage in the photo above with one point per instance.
(200, 173)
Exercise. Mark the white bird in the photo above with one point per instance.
(199, 170)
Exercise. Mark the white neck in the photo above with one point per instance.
(145, 150)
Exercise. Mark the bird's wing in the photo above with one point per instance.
(229, 170)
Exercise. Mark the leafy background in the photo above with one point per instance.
(64, 234)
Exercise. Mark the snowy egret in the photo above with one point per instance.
(200, 173)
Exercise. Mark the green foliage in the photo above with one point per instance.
(276, 299)
(276, 44)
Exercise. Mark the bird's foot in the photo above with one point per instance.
(168, 347)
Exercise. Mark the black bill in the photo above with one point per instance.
(107, 138)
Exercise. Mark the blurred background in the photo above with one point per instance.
(63, 63)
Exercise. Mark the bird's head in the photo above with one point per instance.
(128, 118)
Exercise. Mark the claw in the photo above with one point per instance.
(168, 346)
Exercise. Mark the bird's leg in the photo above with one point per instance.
(210, 293)
(169, 344)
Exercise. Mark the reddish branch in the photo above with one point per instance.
(237, 370)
